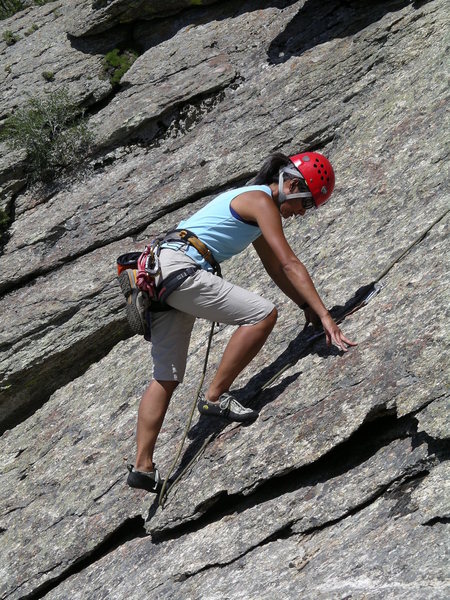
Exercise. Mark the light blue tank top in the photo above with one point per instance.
(221, 228)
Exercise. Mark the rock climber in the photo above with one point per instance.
(284, 187)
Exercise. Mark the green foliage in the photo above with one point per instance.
(117, 63)
(31, 30)
(9, 37)
(48, 75)
(53, 133)
(8, 8)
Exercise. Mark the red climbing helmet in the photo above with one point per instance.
(318, 174)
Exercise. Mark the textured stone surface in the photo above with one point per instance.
(316, 404)
(147, 98)
(43, 46)
(62, 333)
(94, 16)
(435, 419)
(339, 488)
(60, 478)
(12, 178)
(111, 204)
(59, 332)
(246, 527)
(378, 553)
(297, 426)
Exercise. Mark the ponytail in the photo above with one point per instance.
(270, 169)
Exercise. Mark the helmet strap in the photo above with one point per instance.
(282, 197)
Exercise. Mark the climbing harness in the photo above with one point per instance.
(165, 490)
(190, 238)
(143, 285)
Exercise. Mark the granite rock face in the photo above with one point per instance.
(340, 488)
(95, 16)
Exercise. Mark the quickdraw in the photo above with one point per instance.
(148, 269)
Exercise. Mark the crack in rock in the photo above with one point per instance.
(288, 530)
(371, 436)
(131, 529)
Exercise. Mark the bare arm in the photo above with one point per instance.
(283, 266)
(279, 276)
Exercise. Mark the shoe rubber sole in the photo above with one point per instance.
(131, 292)
(211, 409)
(141, 481)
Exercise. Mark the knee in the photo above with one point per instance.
(271, 319)
(168, 387)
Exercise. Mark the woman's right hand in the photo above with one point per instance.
(334, 335)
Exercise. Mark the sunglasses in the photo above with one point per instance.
(308, 203)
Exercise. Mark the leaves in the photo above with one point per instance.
(53, 133)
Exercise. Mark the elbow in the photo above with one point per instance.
(292, 265)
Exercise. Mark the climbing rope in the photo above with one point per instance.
(166, 489)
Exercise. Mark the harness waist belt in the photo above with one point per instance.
(190, 238)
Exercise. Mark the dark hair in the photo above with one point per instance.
(270, 169)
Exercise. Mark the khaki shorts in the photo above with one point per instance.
(201, 295)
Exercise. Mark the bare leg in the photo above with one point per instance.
(152, 411)
(245, 343)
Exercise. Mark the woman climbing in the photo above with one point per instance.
(252, 214)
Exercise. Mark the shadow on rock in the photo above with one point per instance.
(320, 21)
(304, 344)
(309, 341)
(141, 34)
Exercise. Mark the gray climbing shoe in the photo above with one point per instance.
(227, 406)
(137, 303)
(151, 482)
